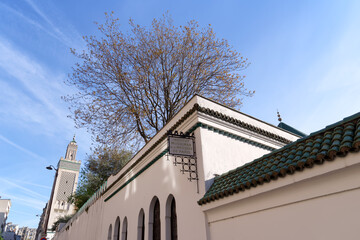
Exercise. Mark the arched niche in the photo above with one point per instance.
(154, 220)
(171, 218)
(124, 229)
(117, 229)
(141, 225)
(109, 232)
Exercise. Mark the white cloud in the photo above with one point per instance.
(32, 22)
(39, 102)
(57, 28)
(21, 148)
(339, 68)
(26, 218)
(11, 185)
(23, 200)
(22, 213)
(32, 184)
(67, 34)
(30, 97)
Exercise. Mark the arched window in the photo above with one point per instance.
(154, 220)
(171, 219)
(141, 225)
(157, 224)
(109, 233)
(117, 229)
(124, 230)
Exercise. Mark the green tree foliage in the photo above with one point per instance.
(97, 168)
(62, 219)
(130, 84)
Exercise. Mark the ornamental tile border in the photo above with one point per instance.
(236, 137)
(242, 124)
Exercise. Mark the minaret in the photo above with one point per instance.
(65, 184)
(71, 150)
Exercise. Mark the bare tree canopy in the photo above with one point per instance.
(132, 83)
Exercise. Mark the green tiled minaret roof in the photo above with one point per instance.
(334, 141)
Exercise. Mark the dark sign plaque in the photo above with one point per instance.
(181, 146)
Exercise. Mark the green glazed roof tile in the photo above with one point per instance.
(334, 140)
(291, 129)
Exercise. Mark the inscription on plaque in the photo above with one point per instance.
(181, 146)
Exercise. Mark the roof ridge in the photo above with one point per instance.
(327, 128)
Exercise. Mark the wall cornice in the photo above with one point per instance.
(207, 111)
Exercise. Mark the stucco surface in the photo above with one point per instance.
(323, 205)
(151, 174)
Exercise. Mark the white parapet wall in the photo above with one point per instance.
(224, 139)
(320, 203)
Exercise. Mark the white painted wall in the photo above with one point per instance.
(319, 203)
(223, 154)
(162, 180)
(87, 226)
(215, 154)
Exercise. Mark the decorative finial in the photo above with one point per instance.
(74, 139)
(278, 114)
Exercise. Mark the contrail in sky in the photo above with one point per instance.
(21, 148)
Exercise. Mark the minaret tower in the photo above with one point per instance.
(65, 184)
(71, 150)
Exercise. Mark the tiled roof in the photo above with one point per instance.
(325, 145)
(241, 124)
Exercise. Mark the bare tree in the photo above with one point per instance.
(132, 83)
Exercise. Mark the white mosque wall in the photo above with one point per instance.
(144, 178)
(87, 225)
(319, 203)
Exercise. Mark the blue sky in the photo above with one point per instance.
(304, 61)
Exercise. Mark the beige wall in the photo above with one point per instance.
(301, 206)
(160, 180)
(216, 153)
(87, 225)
